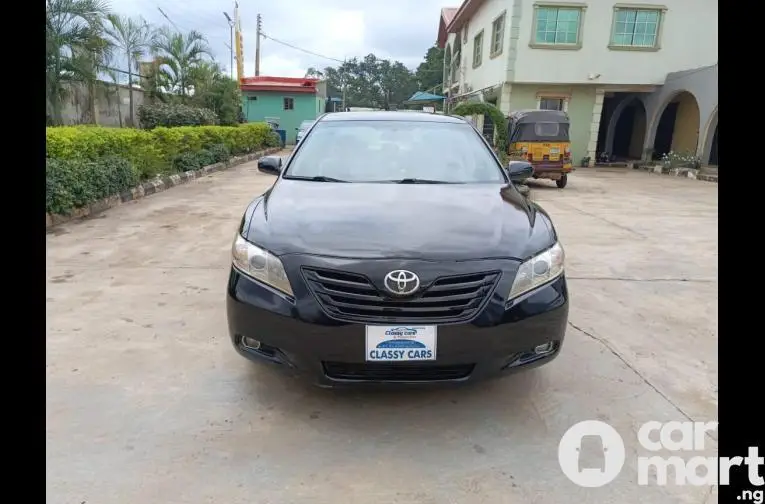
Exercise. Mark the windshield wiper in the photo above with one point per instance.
(418, 181)
(317, 178)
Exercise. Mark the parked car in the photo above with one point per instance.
(395, 248)
(302, 129)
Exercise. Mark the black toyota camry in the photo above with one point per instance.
(394, 247)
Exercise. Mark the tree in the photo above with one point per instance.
(371, 82)
(178, 54)
(74, 48)
(397, 83)
(132, 37)
(216, 91)
(314, 73)
(430, 73)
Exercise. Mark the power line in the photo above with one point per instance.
(287, 44)
(166, 17)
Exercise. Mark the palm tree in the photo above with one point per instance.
(74, 48)
(179, 54)
(203, 76)
(216, 91)
(132, 37)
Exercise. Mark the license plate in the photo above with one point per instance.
(554, 151)
(403, 343)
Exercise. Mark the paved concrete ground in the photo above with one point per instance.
(147, 401)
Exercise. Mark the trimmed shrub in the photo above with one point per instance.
(87, 163)
(154, 152)
(195, 160)
(219, 153)
(187, 161)
(74, 183)
(173, 115)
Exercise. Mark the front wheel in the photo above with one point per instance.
(562, 181)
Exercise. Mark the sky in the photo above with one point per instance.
(400, 30)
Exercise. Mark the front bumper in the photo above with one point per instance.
(299, 335)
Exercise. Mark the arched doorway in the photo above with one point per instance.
(709, 155)
(629, 131)
(713, 159)
(677, 128)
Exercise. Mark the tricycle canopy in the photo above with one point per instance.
(538, 126)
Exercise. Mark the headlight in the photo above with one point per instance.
(538, 270)
(260, 265)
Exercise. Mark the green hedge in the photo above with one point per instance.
(87, 163)
(74, 183)
(172, 115)
(152, 152)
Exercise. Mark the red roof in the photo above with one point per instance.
(447, 14)
(465, 12)
(279, 84)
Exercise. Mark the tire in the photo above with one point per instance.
(562, 181)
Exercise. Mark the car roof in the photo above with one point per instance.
(382, 115)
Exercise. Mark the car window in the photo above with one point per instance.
(305, 125)
(379, 151)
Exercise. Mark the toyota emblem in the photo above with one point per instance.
(402, 282)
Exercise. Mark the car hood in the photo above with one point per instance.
(422, 221)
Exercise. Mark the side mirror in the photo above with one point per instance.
(270, 164)
(519, 170)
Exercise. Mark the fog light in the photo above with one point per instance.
(543, 349)
(250, 343)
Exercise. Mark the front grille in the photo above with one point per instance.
(352, 297)
(395, 372)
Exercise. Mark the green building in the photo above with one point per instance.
(285, 100)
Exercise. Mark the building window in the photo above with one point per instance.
(557, 26)
(497, 35)
(289, 103)
(636, 28)
(552, 104)
(478, 49)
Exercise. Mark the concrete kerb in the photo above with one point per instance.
(151, 187)
(690, 173)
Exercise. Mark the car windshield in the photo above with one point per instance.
(395, 151)
(305, 125)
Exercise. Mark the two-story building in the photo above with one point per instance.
(637, 79)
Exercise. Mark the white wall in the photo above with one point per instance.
(689, 39)
(492, 70)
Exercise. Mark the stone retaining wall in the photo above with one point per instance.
(152, 187)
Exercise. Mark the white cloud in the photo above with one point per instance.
(334, 33)
(396, 29)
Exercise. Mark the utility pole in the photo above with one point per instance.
(231, 47)
(257, 46)
(344, 70)
(239, 46)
